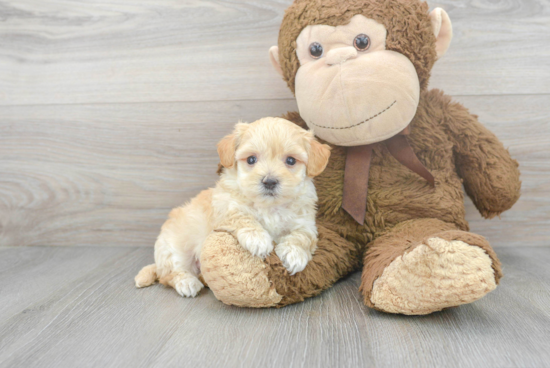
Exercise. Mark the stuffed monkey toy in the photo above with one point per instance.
(391, 198)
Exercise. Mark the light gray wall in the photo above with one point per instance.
(109, 114)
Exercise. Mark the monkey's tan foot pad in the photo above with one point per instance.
(234, 275)
(434, 276)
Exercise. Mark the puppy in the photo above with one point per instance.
(265, 194)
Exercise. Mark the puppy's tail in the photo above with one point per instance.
(147, 276)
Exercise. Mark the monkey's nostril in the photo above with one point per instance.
(270, 183)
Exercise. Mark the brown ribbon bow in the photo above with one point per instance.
(356, 174)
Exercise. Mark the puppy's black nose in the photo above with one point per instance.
(269, 183)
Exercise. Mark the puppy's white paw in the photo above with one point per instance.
(294, 258)
(257, 242)
(189, 286)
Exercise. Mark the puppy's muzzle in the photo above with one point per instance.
(270, 183)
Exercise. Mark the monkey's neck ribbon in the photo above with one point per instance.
(356, 174)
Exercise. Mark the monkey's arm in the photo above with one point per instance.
(491, 176)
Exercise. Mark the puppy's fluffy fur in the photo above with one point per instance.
(265, 194)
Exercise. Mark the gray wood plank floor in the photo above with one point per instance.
(77, 307)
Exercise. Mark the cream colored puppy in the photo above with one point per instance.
(265, 194)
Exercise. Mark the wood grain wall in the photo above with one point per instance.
(110, 111)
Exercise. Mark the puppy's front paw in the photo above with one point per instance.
(189, 286)
(294, 258)
(257, 242)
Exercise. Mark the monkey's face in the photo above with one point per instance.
(351, 90)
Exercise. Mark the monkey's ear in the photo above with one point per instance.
(318, 158)
(274, 57)
(443, 30)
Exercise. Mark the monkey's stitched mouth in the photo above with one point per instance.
(363, 122)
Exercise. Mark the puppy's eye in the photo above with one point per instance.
(361, 42)
(316, 50)
(290, 161)
(251, 160)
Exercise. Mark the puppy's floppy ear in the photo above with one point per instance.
(226, 150)
(318, 157)
(228, 145)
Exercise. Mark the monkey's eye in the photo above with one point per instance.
(290, 161)
(361, 42)
(316, 50)
(251, 160)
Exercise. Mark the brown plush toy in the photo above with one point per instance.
(391, 198)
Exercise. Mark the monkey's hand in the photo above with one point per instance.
(491, 176)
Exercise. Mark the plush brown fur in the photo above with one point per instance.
(334, 258)
(397, 196)
(403, 210)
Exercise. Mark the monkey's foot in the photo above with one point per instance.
(435, 275)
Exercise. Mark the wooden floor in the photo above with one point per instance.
(77, 307)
